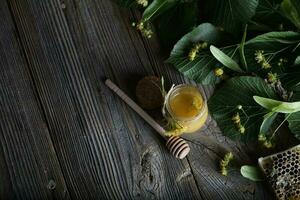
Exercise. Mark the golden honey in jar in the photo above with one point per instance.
(187, 107)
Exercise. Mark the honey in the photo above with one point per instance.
(186, 106)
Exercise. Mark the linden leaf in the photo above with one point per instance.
(276, 45)
(267, 122)
(156, 8)
(278, 106)
(200, 69)
(294, 124)
(230, 14)
(294, 118)
(291, 9)
(225, 59)
(223, 105)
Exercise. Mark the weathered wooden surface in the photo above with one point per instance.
(28, 160)
(60, 125)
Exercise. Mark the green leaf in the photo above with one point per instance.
(241, 49)
(276, 45)
(278, 106)
(156, 8)
(277, 38)
(291, 9)
(200, 69)
(224, 59)
(294, 124)
(290, 78)
(297, 60)
(251, 172)
(296, 93)
(177, 21)
(267, 122)
(294, 118)
(231, 15)
(240, 91)
(267, 8)
(268, 17)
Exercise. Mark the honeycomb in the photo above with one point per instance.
(282, 170)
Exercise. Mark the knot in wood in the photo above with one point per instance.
(51, 185)
(150, 172)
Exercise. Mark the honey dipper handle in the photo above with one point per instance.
(136, 107)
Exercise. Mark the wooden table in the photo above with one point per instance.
(65, 135)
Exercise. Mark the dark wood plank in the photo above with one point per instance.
(6, 189)
(28, 162)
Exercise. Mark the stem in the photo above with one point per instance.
(273, 54)
(244, 113)
(257, 114)
(234, 51)
(296, 47)
(280, 125)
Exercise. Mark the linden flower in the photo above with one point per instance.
(144, 3)
(174, 128)
(196, 49)
(236, 118)
(268, 144)
(265, 65)
(272, 77)
(196, 103)
(139, 26)
(225, 162)
(204, 45)
(219, 72)
(147, 33)
(262, 137)
(175, 132)
(241, 129)
(192, 55)
(259, 56)
(145, 29)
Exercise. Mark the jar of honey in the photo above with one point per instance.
(185, 105)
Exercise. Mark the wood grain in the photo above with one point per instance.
(105, 150)
(6, 188)
(28, 161)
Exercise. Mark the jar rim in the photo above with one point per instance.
(201, 110)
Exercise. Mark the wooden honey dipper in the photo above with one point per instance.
(176, 145)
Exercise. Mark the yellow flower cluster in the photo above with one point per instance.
(225, 162)
(219, 72)
(265, 141)
(196, 49)
(143, 3)
(196, 103)
(144, 28)
(272, 78)
(237, 121)
(261, 59)
(174, 128)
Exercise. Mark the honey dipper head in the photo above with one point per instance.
(178, 147)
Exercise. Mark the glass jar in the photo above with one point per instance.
(185, 105)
